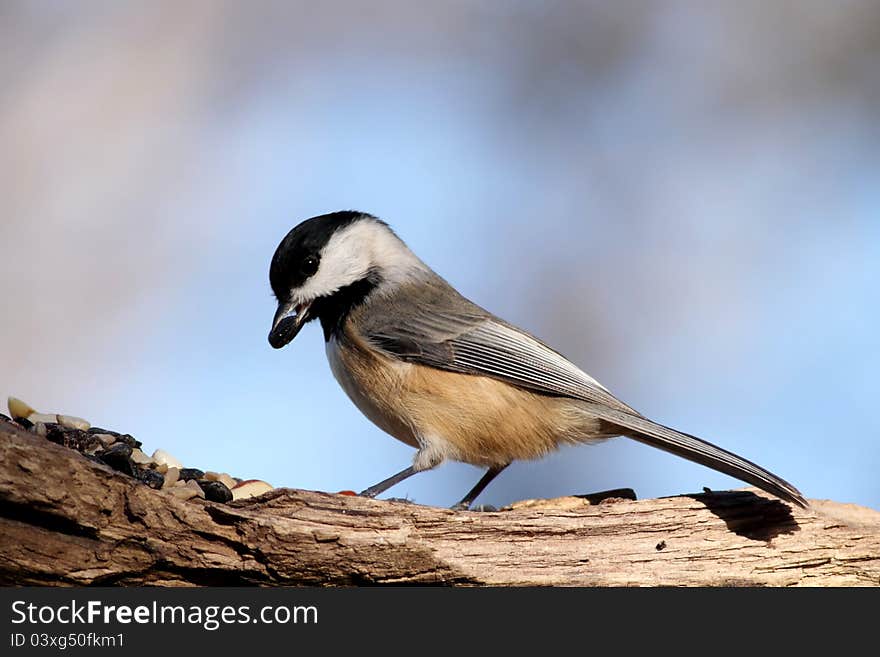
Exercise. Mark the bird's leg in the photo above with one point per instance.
(385, 484)
(424, 459)
(487, 478)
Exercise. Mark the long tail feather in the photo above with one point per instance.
(697, 450)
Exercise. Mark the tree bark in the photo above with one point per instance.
(66, 520)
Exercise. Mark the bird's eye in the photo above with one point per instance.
(309, 266)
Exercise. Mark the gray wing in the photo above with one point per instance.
(444, 330)
(429, 323)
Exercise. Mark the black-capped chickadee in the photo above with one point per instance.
(441, 374)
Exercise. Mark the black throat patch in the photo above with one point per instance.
(335, 309)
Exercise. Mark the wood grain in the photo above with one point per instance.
(65, 520)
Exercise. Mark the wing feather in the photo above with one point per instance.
(443, 329)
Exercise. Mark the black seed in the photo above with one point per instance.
(100, 430)
(151, 478)
(120, 437)
(77, 439)
(610, 496)
(5, 417)
(216, 491)
(55, 433)
(23, 422)
(661, 546)
(118, 450)
(127, 439)
(191, 473)
(118, 457)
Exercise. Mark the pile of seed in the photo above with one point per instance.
(123, 453)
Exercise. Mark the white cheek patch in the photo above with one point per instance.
(351, 253)
(342, 263)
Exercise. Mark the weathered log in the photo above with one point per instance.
(66, 520)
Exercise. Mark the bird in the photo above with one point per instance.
(445, 376)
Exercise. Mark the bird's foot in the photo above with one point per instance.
(464, 506)
(403, 500)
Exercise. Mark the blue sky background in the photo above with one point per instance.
(682, 199)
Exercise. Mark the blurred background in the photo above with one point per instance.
(683, 198)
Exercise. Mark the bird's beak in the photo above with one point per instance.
(289, 319)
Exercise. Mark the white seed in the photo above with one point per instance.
(73, 422)
(191, 484)
(139, 457)
(222, 477)
(40, 429)
(183, 492)
(162, 468)
(161, 456)
(106, 439)
(171, 477)
(18, 409)
(45, 418)
(250, 488)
